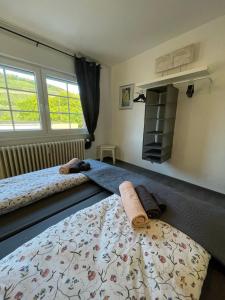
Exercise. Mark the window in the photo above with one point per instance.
(19, 107)
(64, 104)
(35, 101)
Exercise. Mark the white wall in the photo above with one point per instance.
(199, 139)
(25, 50)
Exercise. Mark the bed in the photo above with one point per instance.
(111, 260)
(76, 199)
(25, 189)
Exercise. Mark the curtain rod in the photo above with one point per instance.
(36, 41)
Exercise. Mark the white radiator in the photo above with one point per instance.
(15, 160)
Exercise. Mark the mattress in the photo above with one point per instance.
(16, 239)
(95, 253)
(22, 190)
(19, 226)
(24, 217)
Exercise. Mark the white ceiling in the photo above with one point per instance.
(109, 30)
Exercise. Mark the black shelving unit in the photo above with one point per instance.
(160, 115)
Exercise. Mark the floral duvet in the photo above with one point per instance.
(96, 254)
(24, 189)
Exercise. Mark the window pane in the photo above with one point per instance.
(73, 90)
(26, 120)
(3, 99)
(64, 104)
(53, 104)
(19, 99)
(75, 106)
(2, 79)
(23, 101)
(59, 121)
(76, 121)
(58, 104)
(5, 121)
(20, 80)
(56, 87)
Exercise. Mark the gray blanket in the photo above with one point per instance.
(204, 222)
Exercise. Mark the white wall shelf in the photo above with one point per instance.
(185, 76)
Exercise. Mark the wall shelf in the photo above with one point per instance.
(185, 76)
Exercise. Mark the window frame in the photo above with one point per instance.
(69, 79)
(41, 73)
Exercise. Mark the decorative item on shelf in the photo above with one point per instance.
(126, 96)
(141, 98)
(177, 58)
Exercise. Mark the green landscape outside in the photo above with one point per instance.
(64, 102)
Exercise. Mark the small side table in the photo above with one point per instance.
(111, 148)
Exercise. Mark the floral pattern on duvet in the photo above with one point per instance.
(95, 254)
(24, 189)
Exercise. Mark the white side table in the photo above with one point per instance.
(111, 148)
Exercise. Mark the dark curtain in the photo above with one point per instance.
(88, 78)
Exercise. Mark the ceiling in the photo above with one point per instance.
(109, 30)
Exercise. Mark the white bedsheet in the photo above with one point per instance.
(95, 254)
(24, 189)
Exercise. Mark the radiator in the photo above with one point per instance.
(20, 159)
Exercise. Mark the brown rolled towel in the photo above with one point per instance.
(65, 169)
(149, 202)
(132, 205)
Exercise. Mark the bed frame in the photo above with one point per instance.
(21, 225)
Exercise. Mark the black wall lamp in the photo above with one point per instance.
(190, 90)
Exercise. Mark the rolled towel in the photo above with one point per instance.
(85, 166)
(157, 199)
(75, 168)
(149, 202)
(79, 167)
(65, 169)
(132, 205)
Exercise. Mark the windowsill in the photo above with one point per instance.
(39, 136)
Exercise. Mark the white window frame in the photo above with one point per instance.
(41, 75)
(62, 77)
